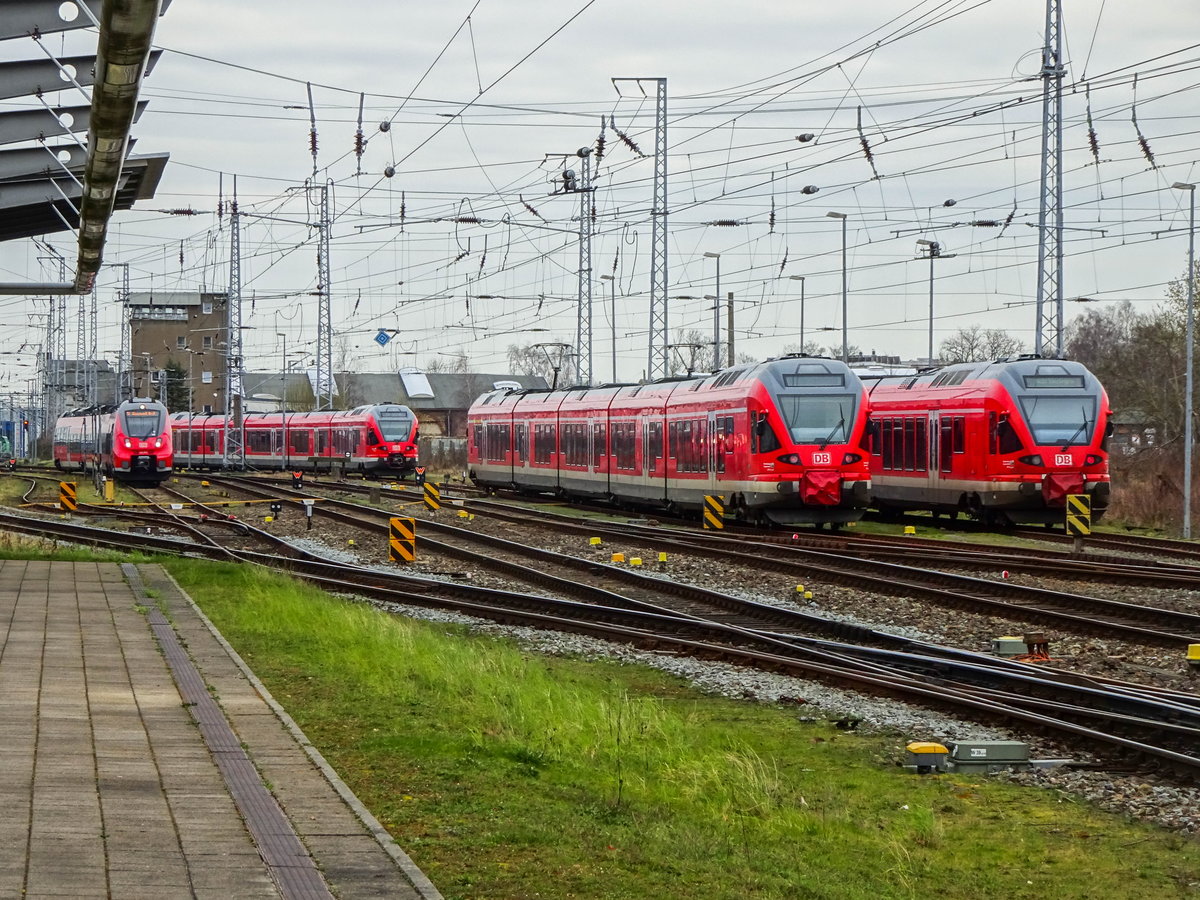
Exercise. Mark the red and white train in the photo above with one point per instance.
(131, 443)
(377, 439)
(1004, 441)
(780, 440)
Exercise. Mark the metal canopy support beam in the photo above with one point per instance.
(126, 32)
(25, 18)
(22, 77)
(1048, 340)
(44, 161)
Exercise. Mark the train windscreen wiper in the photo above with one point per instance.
(1078, 431)
(829, 437)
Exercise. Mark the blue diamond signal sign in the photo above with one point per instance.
(382, 338)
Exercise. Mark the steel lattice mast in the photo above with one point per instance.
(234, 446)
(659, 336)
(1049, 338)
(326, 387)
(583, 332)
(125, 363)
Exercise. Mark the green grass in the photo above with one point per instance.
(505, 774)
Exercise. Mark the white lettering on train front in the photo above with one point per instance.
(1062, 459)
(822, 459)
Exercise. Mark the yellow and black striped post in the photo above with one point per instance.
(714, 511)
(1079, 515)
(402, 540)
(433, 497)
(67, 496)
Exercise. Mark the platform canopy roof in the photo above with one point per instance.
(65, 161)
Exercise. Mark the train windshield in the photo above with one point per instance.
(396, 426)
(1068, 421)
(142, 423)
(818, 418)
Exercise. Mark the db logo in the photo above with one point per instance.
(1062, 459)
(822, 459)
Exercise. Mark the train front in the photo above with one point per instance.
(806, 441)
(396, 449)
(141, 441)
(1063, 411)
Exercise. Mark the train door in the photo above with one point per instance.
(933, 458)
(715, 455)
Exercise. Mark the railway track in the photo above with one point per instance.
(1074, 612)
(1155, 727)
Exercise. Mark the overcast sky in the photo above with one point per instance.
(944, 95)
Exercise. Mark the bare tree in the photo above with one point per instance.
(453, 363)
(976, 344)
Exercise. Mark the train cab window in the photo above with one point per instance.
(762, 436)
(373, 437)
(1007, 440)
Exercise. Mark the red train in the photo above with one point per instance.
(1005, 441)
(781, 440)
(130, 443)
(379, 439)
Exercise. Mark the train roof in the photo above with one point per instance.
(780, 373)
(1015, 372)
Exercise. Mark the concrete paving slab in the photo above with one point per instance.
(114, 790)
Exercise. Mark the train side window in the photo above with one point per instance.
(598, 444)
(885, 442)
(373, 437)
(701, 445)
(898, 444)
(960, 434)
(673, 442)
(910, 444)
(922, 451)
(477, 433)
(300, 441)
(945, 448)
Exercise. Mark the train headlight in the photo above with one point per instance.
(128, 444)
(158, 442)
(850, 459)
(792, 459)
(1031, 460)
